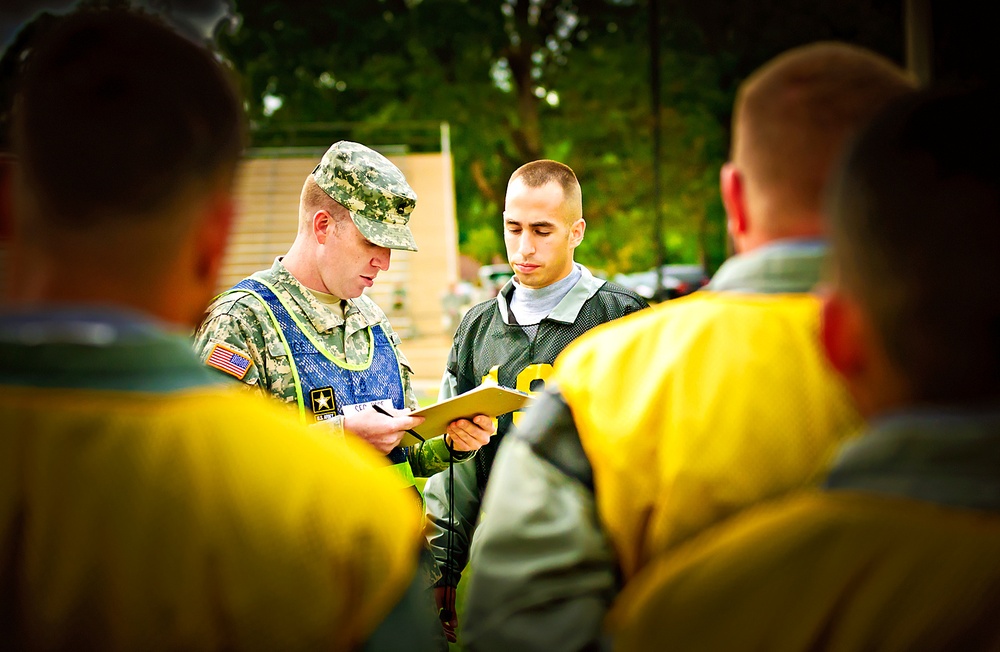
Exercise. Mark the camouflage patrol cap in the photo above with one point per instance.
(372, 189)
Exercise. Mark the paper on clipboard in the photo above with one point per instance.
(491, 400)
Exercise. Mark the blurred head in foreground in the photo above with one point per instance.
(790, 122)
(126, 138)
(913, 317)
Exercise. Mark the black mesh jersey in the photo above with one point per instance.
(486, 346)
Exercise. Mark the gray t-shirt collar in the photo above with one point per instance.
(532, 305)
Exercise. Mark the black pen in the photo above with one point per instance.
(382, 410)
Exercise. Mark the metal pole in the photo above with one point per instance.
(654, 88)
(919, 40)
(448, 199)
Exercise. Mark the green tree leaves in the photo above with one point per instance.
(524, 79)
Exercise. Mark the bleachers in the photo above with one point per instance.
(410, 290)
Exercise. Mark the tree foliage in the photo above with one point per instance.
(519, 80)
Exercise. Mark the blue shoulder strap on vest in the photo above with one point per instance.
(326, 387)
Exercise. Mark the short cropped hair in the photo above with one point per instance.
(312, 199)
(538, 173)
(117, 117)
(793, 115)
(915, 223)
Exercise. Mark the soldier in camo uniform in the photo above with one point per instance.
(304, 332)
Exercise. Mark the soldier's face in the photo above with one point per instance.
(348, 262)
(539, 236)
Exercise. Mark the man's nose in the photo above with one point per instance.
(381, 258)
(526, 245)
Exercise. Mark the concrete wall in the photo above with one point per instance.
(268, 194)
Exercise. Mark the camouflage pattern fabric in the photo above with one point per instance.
(374, 191)
(240, 322)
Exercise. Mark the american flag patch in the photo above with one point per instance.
(225, 359)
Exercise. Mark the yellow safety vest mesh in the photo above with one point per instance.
(839, 571)
(200, 519)
(698, 408)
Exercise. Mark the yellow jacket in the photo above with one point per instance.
(699, 408)
(839, 571)
(196, 519)
(659, 424)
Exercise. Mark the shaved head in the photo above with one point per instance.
(792, 118)
(539, 173)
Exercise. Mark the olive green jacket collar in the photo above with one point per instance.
(96, 348)
(944, 456)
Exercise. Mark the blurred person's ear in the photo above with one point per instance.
(841, 334)
(211, 240)
(216, 228)
(854, 350)
(732, 188)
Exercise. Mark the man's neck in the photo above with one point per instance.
(760, 233)
(298, 263)
(46, 283)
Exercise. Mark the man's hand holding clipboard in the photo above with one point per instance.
(462, 435)
(478, 406)
(466, 419)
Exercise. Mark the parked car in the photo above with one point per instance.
(692, 277)
(493, 277)
(677, 281)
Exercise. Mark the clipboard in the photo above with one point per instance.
(491, 400)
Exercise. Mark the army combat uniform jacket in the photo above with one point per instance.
(238, 337)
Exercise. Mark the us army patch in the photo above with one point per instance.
(228, 360)
(323, 402)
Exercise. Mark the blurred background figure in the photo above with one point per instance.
(143, 506)
(899, 549)
(456, 302)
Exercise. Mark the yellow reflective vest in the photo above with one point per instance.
(194, 519)
(699, 408)
(838, 571)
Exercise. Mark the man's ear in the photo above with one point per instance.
(842, 334)
(732, 186)
(323, 225)
(576, 232)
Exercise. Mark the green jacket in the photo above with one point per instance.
(489, 343)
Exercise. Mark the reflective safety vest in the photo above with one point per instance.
(840, 571)
(333, 389)
(699, 408)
